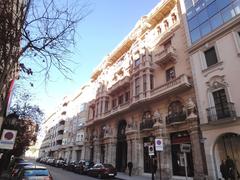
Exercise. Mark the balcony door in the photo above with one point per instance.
(221, 104)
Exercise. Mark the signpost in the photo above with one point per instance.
(151, 150)
(185, 148)
(8, 139)
(159, 148)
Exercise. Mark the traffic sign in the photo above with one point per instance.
(8, 139)
(159, 144)
(151, 150)
(185, 147)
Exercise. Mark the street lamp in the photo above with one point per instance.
(151, 138)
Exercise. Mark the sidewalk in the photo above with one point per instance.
(4, 176)
(125, 176)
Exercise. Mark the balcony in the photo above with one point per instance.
(173, 86)
(175, 118)
(119, 86)
(168, 55)
(220, 112)
(146, 125)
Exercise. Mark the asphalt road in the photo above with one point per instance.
(61, 174)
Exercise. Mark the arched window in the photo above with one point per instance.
(175, 107)
(174, 18)
(166, 24)
(159, 30)
(175, 113)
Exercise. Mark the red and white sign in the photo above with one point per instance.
(159, 144)
(8, 139)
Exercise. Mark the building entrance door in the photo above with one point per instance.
(227, 148)
(146, 157)
(121, 151)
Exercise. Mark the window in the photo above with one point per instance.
(114, 103)
(127, 96)
(205, 28)
(170, 74)
(210, 56)
(151, 82)
(106, 106)
(195, 35)
(212, 9)
(188, 4)
(175, 107)
(221, 104)
(216, 21)
(137, 62)
(137, 86)
(236, 6)
(228, 13)
(159, 30)
(166, 24)
(202, 16)
(174, 18)
(193, 23)
(144, 82)
(120, 99)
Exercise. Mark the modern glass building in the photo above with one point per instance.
(204, 16)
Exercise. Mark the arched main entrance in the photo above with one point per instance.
(121, 151)
(227, 144)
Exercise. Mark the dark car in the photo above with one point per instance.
(34, 172)
(102, 170)
(83, 166)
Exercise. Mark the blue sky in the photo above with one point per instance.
(98, 34)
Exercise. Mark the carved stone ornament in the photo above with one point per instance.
(216, 82)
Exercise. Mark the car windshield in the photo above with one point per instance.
(36, 172)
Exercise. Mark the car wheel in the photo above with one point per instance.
(100, 176)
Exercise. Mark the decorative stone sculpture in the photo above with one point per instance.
(191, 107)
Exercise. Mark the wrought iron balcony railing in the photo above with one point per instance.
(175, 118)
(222, 111)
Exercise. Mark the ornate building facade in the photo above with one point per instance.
(145, 91)
(214, 49)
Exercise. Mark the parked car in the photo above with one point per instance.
(102, 170)
(71, 166)
(83, 166)
(34, 172)
(13, 161)
(17, 167)
(59, 163)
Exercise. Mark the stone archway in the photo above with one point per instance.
(227, 144)
(121, 148)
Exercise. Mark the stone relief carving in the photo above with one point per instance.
(216, 82)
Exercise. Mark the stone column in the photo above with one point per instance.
(197, 155)
(96, 151)
(137, 156)
(112, 153)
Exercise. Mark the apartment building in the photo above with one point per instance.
(213, 29)
(145, 91)
(65, 135)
